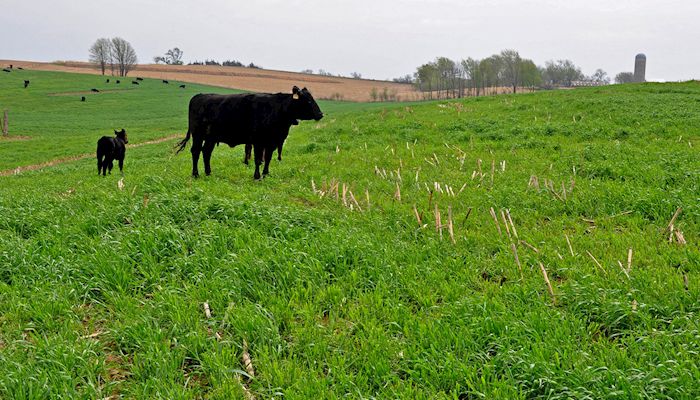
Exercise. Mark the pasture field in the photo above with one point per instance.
(103, 281)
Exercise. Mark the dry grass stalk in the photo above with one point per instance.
(534, 182)
(634, 305)
(505, 222)
(417, 171)
(313, 186)
(438, 220)
(463, 186)
(493, 170)
(549, 284)
(623, 269)
(673, 219)
(120, 184)
(596, 262)
(418, 218)
(352, 197)
(474, 174)
(685, 281)
(679, 237)
(515, 233)
(247, 362)
(428, 161)
(430, 199)
(345, 192)
(563, 191)
(145, 200)
(398, 174)
(478, 167)
(450, 228)
(517, 260)
(629, 260)
(568, 242)
(367, 196)
(397, 195)
(503, 166)
(207, 310)
(495, 220)
(437, 162)
(528, 245)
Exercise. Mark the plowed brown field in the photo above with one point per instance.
(256, 80)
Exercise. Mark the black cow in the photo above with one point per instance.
(134, 83)
(82, 98)
(26, 83)
(118, 81)
(110, 149)
(6, 70)
(94, 90)
(262, 120)
(166, 82)
(20, 68)
(139, 79)
(107, 81)
(182, 86)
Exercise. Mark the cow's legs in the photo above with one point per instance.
(258, 154)
(206, 152)
(246, 157)
(267, 155)
(99, 166)
(110, 165)
(121, 165)
(196, 148)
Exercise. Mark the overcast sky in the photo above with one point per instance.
(378, 38)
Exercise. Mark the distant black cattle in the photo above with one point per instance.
(118, 81)
(262, 120)
(26, 83)
(82, 98)
(182, 86)
(94, 90)
(10, 66)
(139, 79)
(134, 83)
(20, 68)
(110, 149)
(6, 70)
(107, 81)
(166, 82)
(249, 146)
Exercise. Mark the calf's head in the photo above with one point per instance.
(304, 106)
(122, 135)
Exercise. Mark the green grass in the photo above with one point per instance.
(101, 289)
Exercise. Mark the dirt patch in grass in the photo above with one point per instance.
(14, 138)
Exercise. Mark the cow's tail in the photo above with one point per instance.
(183, 143)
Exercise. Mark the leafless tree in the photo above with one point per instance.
(124, 55)
(101, 53)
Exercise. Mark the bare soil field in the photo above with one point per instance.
(256, 80)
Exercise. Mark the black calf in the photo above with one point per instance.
(94, 90)
(26, 83)
(182, 86)
(107, 81)
(118, 81)
(82, 98)
(166, 82)
(134, 83)
(110, 149)
(139, 79)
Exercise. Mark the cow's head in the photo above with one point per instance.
(304, 105)
(122, 135)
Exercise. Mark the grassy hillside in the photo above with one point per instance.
(102, 288)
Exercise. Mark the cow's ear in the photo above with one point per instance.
(295, 90)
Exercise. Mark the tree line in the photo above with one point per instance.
(116, 54)
(445, 78)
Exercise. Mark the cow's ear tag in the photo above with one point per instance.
(295, 96)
